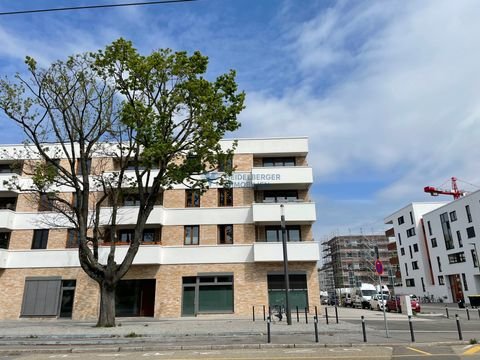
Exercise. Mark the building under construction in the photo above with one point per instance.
(349, 261)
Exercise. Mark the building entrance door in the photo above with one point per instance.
(188, 301)
(456, 287)
(135, 298)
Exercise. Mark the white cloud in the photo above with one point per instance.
(406, 100)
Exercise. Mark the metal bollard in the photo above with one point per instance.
(410, 324)
(298, 317)
(264, 317)
(315, 322)
(446, 309)
(306, 316)
(478, 312)
(460, 337)
(364, 330)
(269, 312)
(336, 313)
(316, 311)
(269, 339)
(326, 314)
(468, 314)
(253, 313)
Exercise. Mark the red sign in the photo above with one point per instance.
(379, 267)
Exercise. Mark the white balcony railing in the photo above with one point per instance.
(297, 251)
(294, 176)
(295, 212)
(7, 218)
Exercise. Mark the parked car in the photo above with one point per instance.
(377, 303)
(393, 304)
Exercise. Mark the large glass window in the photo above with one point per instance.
(192, 198)
(72, 238)
(274, 233)
(191, 235)
(469, 214)
(459, 238)
(280, 196)
(8, 203)
(401, 220)
(46, 202)
(280, 161)
(4, 240)
(40, 239)
(471, 232)
(225, 234)
(298, 294)
(225, 197)
(447, 231)
(411, 232)
(214, 293)
(456, 258)
(88, 165)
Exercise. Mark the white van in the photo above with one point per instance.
(363, 295)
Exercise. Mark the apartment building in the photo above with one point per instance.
(437, 245)
(217, 252)
(351, 260)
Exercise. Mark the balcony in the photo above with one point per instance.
(295, 212)
(282, 177)
(7, 218)
(3, 258)
(298, 251)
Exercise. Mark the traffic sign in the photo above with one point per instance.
(379, 267)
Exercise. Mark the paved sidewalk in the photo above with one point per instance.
(211, 332)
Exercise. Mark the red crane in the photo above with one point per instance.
(454, 191)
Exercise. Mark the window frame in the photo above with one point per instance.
(40, 239)
(192, 198)
(193, 229)
(222, 233)
(225, 197)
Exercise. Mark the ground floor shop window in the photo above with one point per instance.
(298, 295)
(42, 297)
(135, 297)
(207, 294)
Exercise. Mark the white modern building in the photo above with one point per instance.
(437, 246)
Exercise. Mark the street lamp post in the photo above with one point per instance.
(285, 266)
(476, 255)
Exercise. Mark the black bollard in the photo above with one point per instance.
(336, 313)
(253, 313)
(298, 317)
(364, 330)
(326, 314)
(460, 337)
(446, 309)
(269, 340)
(269, 312)
(468, 314)
(306, 316)
(264, 317)
(316, 311)
(410, 324)
(478, 313)
(315, 321)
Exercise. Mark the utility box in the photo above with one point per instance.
(406, 305)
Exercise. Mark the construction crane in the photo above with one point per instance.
(454, 191)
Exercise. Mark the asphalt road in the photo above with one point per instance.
(360, 352)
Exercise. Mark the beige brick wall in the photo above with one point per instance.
(172, 235)
(243, 196)
(243, 162)
(209, 198)
(174, 199)
(301, 161)
(208, 235)
(250, 286)
(21, 239)
(243, 233)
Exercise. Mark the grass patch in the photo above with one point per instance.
(133, 335)
(473, 341)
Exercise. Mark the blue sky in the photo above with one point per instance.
(387, 91)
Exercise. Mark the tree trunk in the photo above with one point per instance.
(107, 305)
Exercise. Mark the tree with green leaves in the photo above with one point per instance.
(157, 116)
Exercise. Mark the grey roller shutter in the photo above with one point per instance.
(41, 296)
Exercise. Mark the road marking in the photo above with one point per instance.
(299, 351)
(158, 354)
(419, 351)
(344, 350)
(472, 350)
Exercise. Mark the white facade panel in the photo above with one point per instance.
(282, 175)
(7, 218)
(301, 251)
(147, 255)
(270, 146)
(301, 212)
